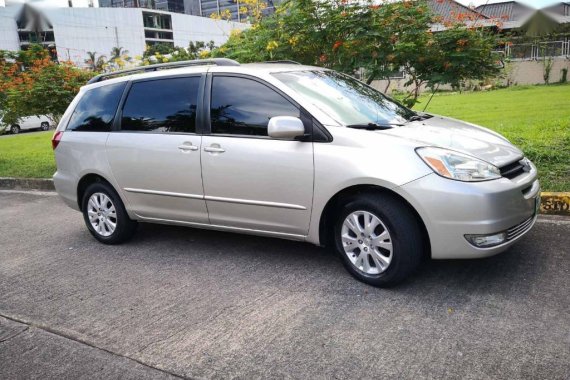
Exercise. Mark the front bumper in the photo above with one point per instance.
(452, 209)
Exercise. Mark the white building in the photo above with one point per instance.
(73, 32)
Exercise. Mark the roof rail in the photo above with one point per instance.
(284, 61)
(166, 66)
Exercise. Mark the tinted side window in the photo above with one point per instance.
(242, 106)
(96, 109)
(163, 105)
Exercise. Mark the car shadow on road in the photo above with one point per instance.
(511, 273)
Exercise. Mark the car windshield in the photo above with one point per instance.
(345, 99)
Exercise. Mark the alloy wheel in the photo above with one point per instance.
(102, 214)
(367, 242)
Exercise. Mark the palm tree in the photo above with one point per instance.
(117, 52)
(94, 62)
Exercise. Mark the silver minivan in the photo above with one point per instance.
(290, 151)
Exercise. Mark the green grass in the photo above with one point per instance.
(535, 118)
(27, 155)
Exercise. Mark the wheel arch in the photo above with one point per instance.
(87, 180)
(332, 208)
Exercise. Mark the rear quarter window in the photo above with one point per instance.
(95, 111)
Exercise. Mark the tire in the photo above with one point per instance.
(44, 126)
(15, 129)
(101, 227)
(388, 259)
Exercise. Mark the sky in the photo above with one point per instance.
(532, 3)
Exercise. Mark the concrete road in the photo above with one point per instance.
(200, 304)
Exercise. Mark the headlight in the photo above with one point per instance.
(458, 166)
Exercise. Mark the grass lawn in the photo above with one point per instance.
(537, 119)
(28, 155)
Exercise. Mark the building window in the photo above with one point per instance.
(157, 21)
(158, 35)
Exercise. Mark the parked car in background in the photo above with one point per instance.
(27, 123)
(294, 152)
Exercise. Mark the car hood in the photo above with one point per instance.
(462, 137)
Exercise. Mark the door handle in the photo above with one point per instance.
(214, 149)
(187, 146)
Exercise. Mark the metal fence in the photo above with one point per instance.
(535, 51)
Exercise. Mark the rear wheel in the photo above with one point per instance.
(105, 214)
(45, 126)
(15, 129)
(379, 239)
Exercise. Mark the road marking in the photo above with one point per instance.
(32, 192)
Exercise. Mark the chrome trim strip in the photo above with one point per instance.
(254, 203)
(520, 228)
(282, 235)
(165, 193)
(217, 199)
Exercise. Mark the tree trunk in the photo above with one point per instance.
(388, 85)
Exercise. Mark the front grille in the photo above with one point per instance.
(519, 229)
(513, 170)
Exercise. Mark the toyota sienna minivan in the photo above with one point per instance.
(290, 151)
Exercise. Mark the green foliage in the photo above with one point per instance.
(535, 118)
(96, 63)
(162, 53)
(32, 84)
(360, 35)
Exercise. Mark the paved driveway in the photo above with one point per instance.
(202, 304)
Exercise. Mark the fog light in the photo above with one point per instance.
(486, 241)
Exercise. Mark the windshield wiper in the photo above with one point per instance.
(373, 126)
(418, 117)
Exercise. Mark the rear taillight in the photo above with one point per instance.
(56, 139)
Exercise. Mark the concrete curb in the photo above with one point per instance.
(555, 204)
(551, 203)
(40, 184)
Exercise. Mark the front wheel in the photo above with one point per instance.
(45, 126)
(379, 239)
(105, 215)
(15, 129)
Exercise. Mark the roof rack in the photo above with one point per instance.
(284, 61)
(166, 66)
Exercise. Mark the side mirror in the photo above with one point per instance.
(285, 127)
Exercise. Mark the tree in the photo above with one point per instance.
(94, 62)
(118, 52)
(363, 36)
(38, 87)
(119, 59)
(162, 53)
